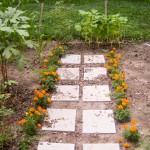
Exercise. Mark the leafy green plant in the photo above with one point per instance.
(99, 28)
(13, 38)
(131, 133)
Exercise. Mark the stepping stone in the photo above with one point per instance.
(94, 73)
(96, 93)
(88, 59)
(68, 73)
(112, 146)
(60, 120)
(66, 93)
(98, 121)
(55, 146)
(71, 59)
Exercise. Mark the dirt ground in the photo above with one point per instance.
(135, 64)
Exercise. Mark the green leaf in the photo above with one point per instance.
(23, 32)
(6, 29)
(25, 26)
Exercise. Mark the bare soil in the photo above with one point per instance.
(135, 64)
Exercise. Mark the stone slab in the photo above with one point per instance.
(60, 120)
(96, 93)
(71, 59)
(66, 93)
(94, 73)
(68, 73)
(88, 59)
(55, 146)
(107, 146)
(98, 121)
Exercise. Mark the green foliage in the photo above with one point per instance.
(119, 94)
(96, 27)
(24, 144)
(133, 136)
(122, 115)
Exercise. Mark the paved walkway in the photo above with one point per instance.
(80, 78)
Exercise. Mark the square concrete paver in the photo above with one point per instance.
(71, 59)
(98, 121)
(96, 93)
(66, 93)
(60, 120)
(94, 73)
(94, 59)
(106, 146)
(55, 146)
(68, 73)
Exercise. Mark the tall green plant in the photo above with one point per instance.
(13, 38)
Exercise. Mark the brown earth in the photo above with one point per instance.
(135, 64)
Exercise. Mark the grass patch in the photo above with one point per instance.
(58, 21)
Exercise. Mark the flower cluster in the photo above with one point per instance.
(122, 111)
(49, 77)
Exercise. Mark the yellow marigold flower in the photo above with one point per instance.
(62, 50)
(120, 107)
(115, 65)
(126, 145)
(111, 52)
(49, 100)
(43, 92)
(27, 113)
(31, 115)
(45, 60)
(51, 54)
(119, 56)
(125, 126)
(133, 122)
(35, 98)
(59, 61)
(41, 95)
(105, 65)
(132, 128)
(120, 140)
(39, 125)
(124, 85)
(32, 109)
(42, 85)
(60, 47)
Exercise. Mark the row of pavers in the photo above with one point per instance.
(94, 121)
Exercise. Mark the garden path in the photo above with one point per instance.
(81, 115)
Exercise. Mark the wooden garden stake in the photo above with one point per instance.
(41, 16)
(106, 10)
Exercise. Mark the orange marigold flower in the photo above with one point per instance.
(116, 77)
(120, 140)
(125, 126)
(111, 52)
(115, 65)
(37, 113)
(20, 123)
(118, 88)
(35, 98)
(133, 122)
(44, 111)
(39, 125)
(105, 65)
(126, 145)
(119, 56)
(45, 60)
(42, 85)
(54, 73)
(47, 94)
(122, 75)
(43, 92)
(39, 108)
(32, 109)
(31, 115)
(120, 107)
(41, 95)
(109, 67)
(105, 55)
(110, 60)
(49, 100)
(43, 79)
(51, 54)
(124, 104)
(114, 49)
(58, 79)
(44, 66)
(133, 129)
